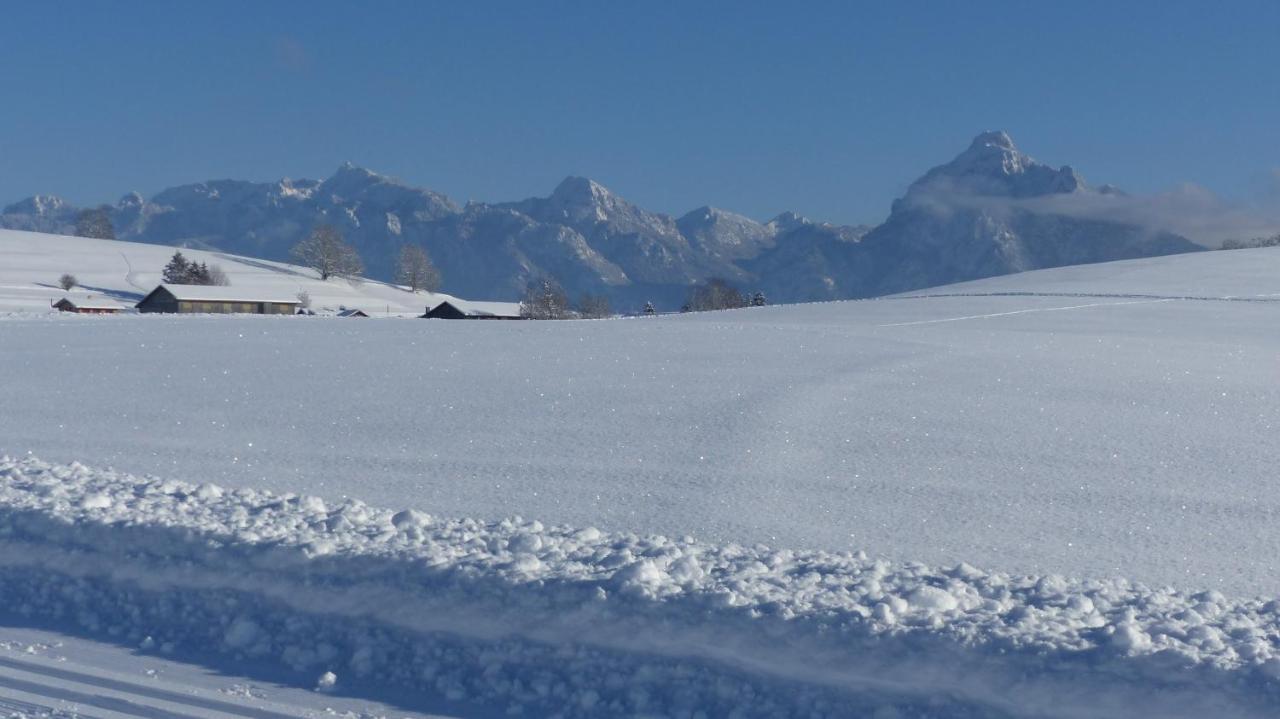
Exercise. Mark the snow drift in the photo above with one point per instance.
(531, 618)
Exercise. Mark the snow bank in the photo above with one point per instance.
(541, 620)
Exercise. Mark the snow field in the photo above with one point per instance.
(515, 615)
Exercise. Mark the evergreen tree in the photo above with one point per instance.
(178, 271)
(649, 309)
(757, 300)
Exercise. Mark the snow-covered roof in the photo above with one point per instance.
(483, 309)
(219, 293)
(93, 303)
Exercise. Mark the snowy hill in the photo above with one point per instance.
(1042, 495)
(31, 263)
(992, 210)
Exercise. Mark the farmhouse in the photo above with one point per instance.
(215, 299)
(89, 306)
(456, 309)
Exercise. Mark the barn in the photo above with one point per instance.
(456, 309)
(88, 306)
(215, 299)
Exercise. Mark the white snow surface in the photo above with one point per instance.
(1092, 436)
(579, 622)
(32, 262)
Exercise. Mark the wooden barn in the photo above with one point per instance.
(214, 299)
(89, 306)
(456, 309)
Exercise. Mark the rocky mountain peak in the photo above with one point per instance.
(992, 166)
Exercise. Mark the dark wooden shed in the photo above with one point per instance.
(214, 299)
(462, 310)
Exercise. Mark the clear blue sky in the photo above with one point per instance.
(826, 108)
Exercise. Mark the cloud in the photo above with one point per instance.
(1189, 210)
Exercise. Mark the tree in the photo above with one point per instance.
(593, 307)
(178, 271)
(715, 294)
(216, 276)
(325, 252)
(416, 270)
(96, 223)
(758, 300)
(68, 281)
(649, 309)
(304, 300)
(544, 299)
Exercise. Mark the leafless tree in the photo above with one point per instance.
(95, 223)
(304, 300)
(68, 281)
(593, 306)
(544, 299)
(715, 294)
(416, 270)
(214, 275)
(325, 252)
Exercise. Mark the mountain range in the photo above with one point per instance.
(990, 211)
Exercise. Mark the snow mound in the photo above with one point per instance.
(533, 618)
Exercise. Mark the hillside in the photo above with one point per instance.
(31, 263)
(989, 211)
(1029, 496)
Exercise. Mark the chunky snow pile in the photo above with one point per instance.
(529, 618)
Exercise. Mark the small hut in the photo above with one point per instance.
(456, 309)
(89, 306)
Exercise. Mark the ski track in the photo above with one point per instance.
(1023, 312)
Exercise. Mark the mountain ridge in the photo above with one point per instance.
(960, 220)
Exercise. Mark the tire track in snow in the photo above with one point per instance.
(1026, 311)
(77, 687)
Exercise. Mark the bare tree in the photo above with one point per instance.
(715, 294)
(216, 276)
(325, 252)
(68, 281)
(95, 223)
(593, 307)
(544, 299)
(416, 270)
(304, 300)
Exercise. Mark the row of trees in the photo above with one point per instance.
(545, 299)
(326, 252)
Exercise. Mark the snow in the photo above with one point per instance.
(31, 263)
(515, 613)
(1091, 437)
(1046, 494)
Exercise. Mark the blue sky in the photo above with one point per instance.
(829, 109)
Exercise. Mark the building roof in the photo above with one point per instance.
(482, 309)
(92, 303)
(218, 293)
(352, 312)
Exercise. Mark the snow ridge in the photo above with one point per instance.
(517, 614)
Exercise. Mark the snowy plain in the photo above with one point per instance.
(1112, 424)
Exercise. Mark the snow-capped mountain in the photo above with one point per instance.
(993, 211)
(990, 211)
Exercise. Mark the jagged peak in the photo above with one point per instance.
(787, 221)
(580, 189)
(998, 139)
(38, 204)
(131, 199)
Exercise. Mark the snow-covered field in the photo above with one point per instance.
(31, 263)
(1051, 447)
